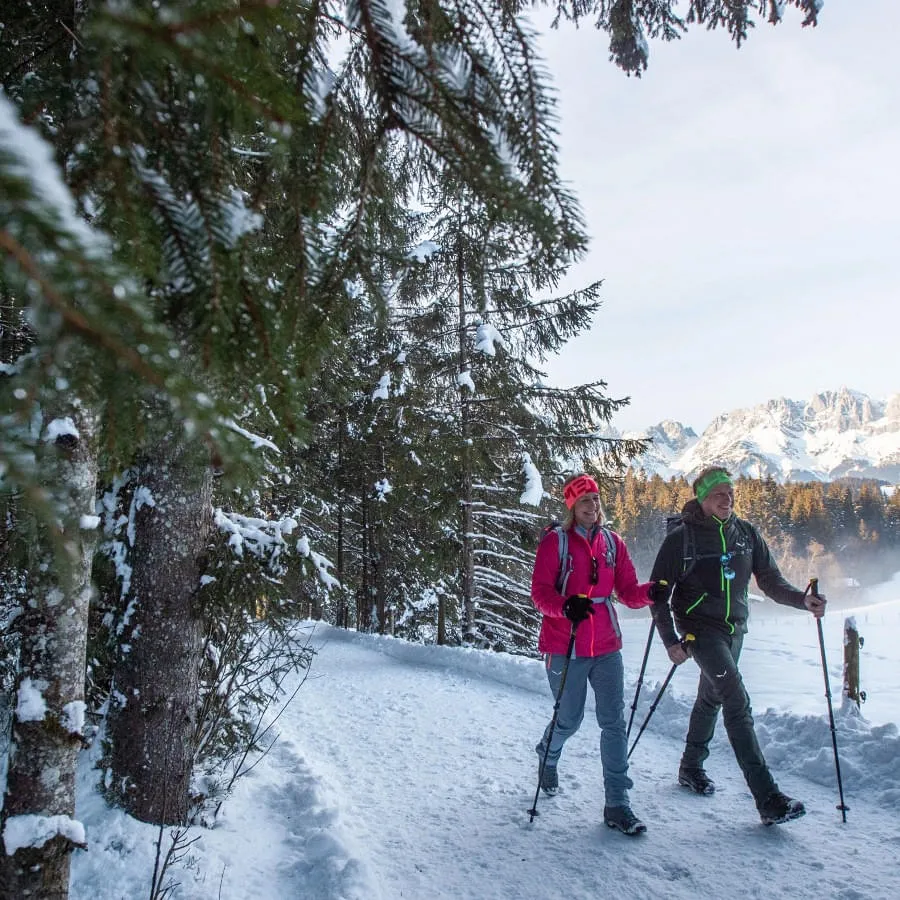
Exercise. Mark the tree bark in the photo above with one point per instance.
(48, 724)
(467, 561)
(364, 593)
(154, 708)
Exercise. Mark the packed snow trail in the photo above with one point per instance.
(432, 770)
(405, 772)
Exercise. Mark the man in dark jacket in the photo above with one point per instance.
(710, 567)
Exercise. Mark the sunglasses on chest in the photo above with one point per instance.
(727, 571)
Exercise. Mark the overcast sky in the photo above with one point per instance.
(743, 212)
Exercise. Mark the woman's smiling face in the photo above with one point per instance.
(587, 510)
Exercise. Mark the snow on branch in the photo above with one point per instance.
(265, 540)
(256, 440)
(320, 562)
(534, 486)
(487, 339)
(382, 489)
(61, 428)
(238, 219)
(382, 392)
(464, 380)
(424, 251)
(32, 160)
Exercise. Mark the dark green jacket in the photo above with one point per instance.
(704, 598)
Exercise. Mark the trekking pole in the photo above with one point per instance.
(662, 690)
(562, 684)
(813, 586)
(640, 681)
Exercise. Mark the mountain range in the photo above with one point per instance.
(836, 434)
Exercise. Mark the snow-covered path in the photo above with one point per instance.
(405, 772)
(432, 772)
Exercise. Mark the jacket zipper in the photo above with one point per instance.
(725, 582)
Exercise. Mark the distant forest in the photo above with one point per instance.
(846, 533)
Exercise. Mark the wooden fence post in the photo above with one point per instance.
(852, 643)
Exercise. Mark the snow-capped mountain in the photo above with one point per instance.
(836, 434)
(670, 440)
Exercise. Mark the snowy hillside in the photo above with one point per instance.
(405, 772)
(833, 435)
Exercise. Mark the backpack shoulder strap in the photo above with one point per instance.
(688, 550)
(610, 547)
(564, 568)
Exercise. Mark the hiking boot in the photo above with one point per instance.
(549, 778)
(624, 819)
(780, 808)
(697, 780)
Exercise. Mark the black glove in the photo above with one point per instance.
(659, 591)
(577, 608)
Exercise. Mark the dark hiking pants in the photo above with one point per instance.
(721, 687)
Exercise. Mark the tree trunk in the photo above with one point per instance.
(379, 581)
(341, 615)
(363, 596)
(48, 725)
(442, 619)
(467, 560)
(153, 715)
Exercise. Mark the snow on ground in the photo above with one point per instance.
(405, 771)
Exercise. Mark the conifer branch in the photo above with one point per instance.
(76, 320)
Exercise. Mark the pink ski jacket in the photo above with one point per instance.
(599, 633)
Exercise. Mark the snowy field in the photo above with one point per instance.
(405, 771)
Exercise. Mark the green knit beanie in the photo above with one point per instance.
(717, 476)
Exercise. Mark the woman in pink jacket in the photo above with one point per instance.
(575, 593)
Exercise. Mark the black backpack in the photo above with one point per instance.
(689, 557)
(565, 560)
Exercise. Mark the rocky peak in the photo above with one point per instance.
(673, 435)
(842, 410)
(841, 433)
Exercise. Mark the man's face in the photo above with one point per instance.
(587, 510)
(719, 501)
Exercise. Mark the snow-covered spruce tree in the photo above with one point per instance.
(476, 328)
(427, 478)
(339, 478)
(382, 497)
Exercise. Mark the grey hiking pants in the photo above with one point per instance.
(605, 674)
